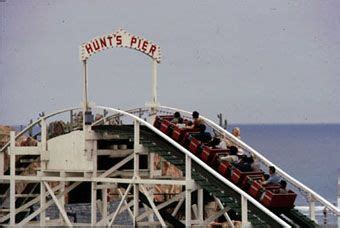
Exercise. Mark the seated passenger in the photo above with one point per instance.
(273, 178)
(180, 123)
(177, 115)
(232, 157)
(197, 121)
(245, 164)
(256, 166)
(283, 185)
(202, 136)
(237, 133)
(214, 143)
(222, 144)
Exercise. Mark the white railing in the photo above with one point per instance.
(3, 149)
(201, 163)
(265, 161)
(314, 196)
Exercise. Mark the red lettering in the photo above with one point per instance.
(152, 49)
(145, 44)
(119, 40)
(96, 45)
(110, 39)
(88, 48)
(103, 42)
(139, 42)
(133, 41)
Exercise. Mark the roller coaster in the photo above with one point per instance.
(118, 151)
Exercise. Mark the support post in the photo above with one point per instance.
(154, 82)
(188, 191)
(60, 207)
(93, 203)
(136, 171)
(311, 207)
(154, 101)
(62, 189)
(200, 204)
(93, 183)
(2, 163)
(42, 202)
(120, 205)
(85, 99)
(12, 180)
(151, 176)
(244, 211)
(44, 154)
(104, 204)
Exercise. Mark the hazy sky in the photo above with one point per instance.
(253, 61)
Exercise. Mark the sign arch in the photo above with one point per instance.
(120, 38)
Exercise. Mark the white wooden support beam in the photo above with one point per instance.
(244, 211)
(120, 205)
(153, 206)
(220, 205)
(2, 163)
(27, 150)
(62, 189)
(26, 205)
(200, 204)
(85, 98)
(94, 184)
(178, 206)
(56, 201)
(44, 150)
(42, 202)
(137, 148)
(126, 204)
(151, 164)
(117, 166)
(93, 203)
(162, 205)
(311, 207)
(214, 216)
(12, 180)
(154, 83)
(105, 221)
(188, 188)
(104, 204)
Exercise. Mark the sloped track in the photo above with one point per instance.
(229, 198)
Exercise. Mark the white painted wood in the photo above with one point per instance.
(126, 204)
(60, 207)
(42, 204)
(104, 202)
(200, 205)
(311, 208)
(2, 163)
(67, 153)
(27, 150)
(120, 205)
(49, 203)
(188, 191)
(145, 191)
(244, 211)
(220, 205)
(180, 196)
(117, 166)
(12, 180)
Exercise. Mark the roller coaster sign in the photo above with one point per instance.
(120, 38)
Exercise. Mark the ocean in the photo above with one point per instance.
(309, 153)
